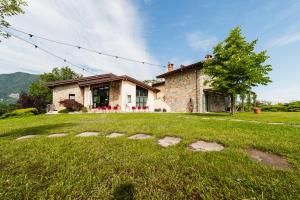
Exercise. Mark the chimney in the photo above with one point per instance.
(170, 67)
(208, 57)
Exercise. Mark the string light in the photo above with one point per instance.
(87, 49)
(49, 53)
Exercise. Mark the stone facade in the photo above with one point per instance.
(62, 93)
(115, 93)
(184, 92)
(181, 90)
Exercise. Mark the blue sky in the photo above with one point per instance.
(158, 31)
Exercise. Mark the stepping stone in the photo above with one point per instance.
(220, 119)
(169, 141)
(276, 123)
(206, 146)
(237, 120)
(205, 118)
(56, 135)
(268, 158)
(140, 136)
(26, 137)
(114, 135)
(254, 122)
(87, 134)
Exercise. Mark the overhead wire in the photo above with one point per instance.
(79, 47)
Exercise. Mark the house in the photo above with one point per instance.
(103, 91)
(186, 90)
(180, 90)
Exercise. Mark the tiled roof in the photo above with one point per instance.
(196, 65)
(99, 79)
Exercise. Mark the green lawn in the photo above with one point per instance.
(106, 168)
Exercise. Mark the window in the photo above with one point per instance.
(71, 96)
(129, 98)
(141, 97)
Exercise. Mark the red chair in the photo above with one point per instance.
(116, 108)
(103, 108)
(133, 108)
(145, 108)
(139, 108)
(109, 108)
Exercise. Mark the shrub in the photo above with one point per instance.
(28, 101)
(84, 110)
(71, 105)
(157, 110)
(64, 111)
(5, 108)
(21, 113)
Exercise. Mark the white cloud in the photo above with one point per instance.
(278, 94)
(111, 26)
(200, 41)
(285, 39)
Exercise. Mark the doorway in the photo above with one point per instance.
(101, 96)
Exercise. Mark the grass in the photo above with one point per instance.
(119, 168)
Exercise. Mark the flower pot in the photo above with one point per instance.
(257, 110)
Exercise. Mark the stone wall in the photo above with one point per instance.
(62, 93)
(181, 88)
(115, 93)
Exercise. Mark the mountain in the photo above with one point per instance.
(12, 84)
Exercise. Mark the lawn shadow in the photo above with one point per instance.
(221, 114)
(124, 191)
(36, 130)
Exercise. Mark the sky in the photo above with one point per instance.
(156, 31)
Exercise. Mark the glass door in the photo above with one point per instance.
(101, 96)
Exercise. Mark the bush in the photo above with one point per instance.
(5, 108)
(157, 110)
(64, 111)
(28, 101)
(84, 110)
(71, 105)
(21, 113)
(289, 107)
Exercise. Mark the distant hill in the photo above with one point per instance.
(12, 84)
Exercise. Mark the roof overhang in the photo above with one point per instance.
(197, 65)
(100, 79)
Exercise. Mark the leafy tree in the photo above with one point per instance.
(9, 8)
(39, 88)
(28, 101)
(236, 67)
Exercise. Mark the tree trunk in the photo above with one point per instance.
(232, 98)
(248, 101)
(243, 102)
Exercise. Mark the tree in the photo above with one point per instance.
(235, 67)
(9, 8)
(28, 101)
(39, 88)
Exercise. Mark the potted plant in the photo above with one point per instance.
(257, 110)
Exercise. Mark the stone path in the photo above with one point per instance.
(26, 137)
(268, 159)
(87, 134)
(114, 135)
(140, 136)
(169, 141)
(206, 146)
(56, 135)
(200, 145)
